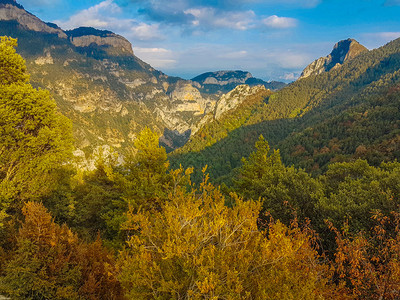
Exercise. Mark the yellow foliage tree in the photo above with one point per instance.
(50, 262)
(195, 247)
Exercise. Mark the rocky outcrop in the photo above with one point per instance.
(342, 52)
(222, 82)
(184, 108)
(11, 12)
(86, 37)
(234, 98)
(223, 77)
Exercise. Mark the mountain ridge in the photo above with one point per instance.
(227, 80)
(347, 113)
(343, 51)
(99, 83)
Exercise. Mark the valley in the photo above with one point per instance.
(118, 181)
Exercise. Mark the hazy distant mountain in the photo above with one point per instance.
(225, 81)
(342, 51)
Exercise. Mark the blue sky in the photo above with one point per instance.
(273, 39)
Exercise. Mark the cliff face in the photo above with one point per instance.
(86, 37)
(98, 82)
(234, 98)
(11, 12)
(342, 51)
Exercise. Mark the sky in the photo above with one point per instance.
(272, 39)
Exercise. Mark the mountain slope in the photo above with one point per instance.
(98, 82)
(314, 113)
(342, 51)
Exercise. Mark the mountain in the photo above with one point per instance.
(348, 112)
(99, 83)
(87, 39)
(107, 91)
(342, 51)
(224, 81)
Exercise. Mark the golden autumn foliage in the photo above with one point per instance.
(368, 264)
(195, 247)
(51, 263)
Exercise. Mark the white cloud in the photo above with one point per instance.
(377, 39)
(288, 59)
(388, 36)
(107, 15)
(234, 55)
(156, 57)
(209, 17)
(290, 76)
(298, 3)
(279, 22)
(145, 31)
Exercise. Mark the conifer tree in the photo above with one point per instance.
(35, 139)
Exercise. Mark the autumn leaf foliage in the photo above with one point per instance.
(367, 264)
(51, 263)
(195, 247)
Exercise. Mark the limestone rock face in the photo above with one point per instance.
(10, 12)
(342, 52)
(114, 40)
(185, 108)
(186, 92)
(108, 92)
(234, 98)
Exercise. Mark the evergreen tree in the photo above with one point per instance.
(35, 139)
(284, 191)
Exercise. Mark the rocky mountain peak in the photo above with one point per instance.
(342, 52)
(221, 82)
(11, 2)
(84, 37)
(10, 10)
(234, 98)
(223, 77)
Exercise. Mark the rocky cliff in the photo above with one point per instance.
(98, 82)
(87, 37)
(11, 11)
(224, 81)
(234, 98)
(342, 51)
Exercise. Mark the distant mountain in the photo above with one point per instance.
(108, 92)
(90, 40)
(342, 51)
(225, 81)
(98, 82)
(348, 112)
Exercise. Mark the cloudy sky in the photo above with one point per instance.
(273, 39)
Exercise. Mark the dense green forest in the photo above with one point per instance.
(145, 230)
(350, 112)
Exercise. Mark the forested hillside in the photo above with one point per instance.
(346, 113)
(144, 230)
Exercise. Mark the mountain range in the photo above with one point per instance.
(343, 106)
(107, 91)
